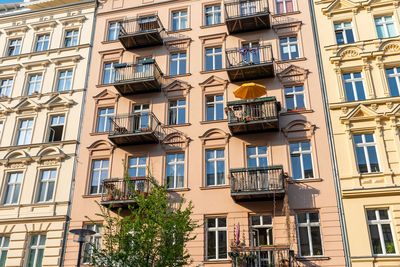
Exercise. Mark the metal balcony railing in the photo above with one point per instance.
(262, 256)
(239, 9)
(141, 31)
(120, 190)
(258, 179)
(244, 57)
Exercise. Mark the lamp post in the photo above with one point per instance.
(80, 236)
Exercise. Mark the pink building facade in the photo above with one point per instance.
(160, 100)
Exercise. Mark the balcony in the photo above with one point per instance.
(259, 115)
(138, 78)
(243, 64)
(141, 32)
(245, 16)
(122, 192)
(136, 128)
(262, 256)
(259, 183)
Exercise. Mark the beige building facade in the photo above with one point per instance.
(160, 95)
(44, 53)
(360, 54)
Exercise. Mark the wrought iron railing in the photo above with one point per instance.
(120, 189)
(138, 122)
(140, 25)
(137, 72)
(236, 9)
(262, 256)
(268, 178)
(265, 108)
(241, 57)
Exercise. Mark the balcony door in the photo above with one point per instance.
(248, 8)
(141, 117)
(250, 53)
(256, 158)
(262, 235)
(144, 67)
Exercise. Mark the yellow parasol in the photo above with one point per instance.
(250, 91)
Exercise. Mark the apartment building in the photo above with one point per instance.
(360, 53)
(44, 52)
(160, 102)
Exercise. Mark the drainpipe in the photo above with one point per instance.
(71, 194)
(330, 138)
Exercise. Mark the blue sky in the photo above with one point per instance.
(9, 1)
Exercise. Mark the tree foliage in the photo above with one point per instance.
(152, 233)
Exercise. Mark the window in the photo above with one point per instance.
(214, 107)
(284, 6)
(248, 7)
(137, 167)
(141, 117)
(104, 117)
(64, 80)
(367, 158)
(213, 14)
(109, 72)
(289, 48)
(213, 58)
(144, 67)
(215, 167)
(257, 156)
(42, 42)
(34, 84)
(14, 47)
(393, 77)
(13, 186)
(5, 87)
(177, 63)
(148, 23)
(300, 156)
(216, 239)
(309, 233)
(36, 250)
(294, 98)
(354, 86)
(113, 30)
(175, 170)
(179, 20)
(94, 240)
(261, 232)
(176, 112)
(56, 128)
(251, 53)
(380, 232)
(71, 38)
(385, 27)
(4, 242)
(46, 185)
(99, 173)
(344, 33)
(24, 132)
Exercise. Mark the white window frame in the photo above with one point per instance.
(64, 79)
(364, 145)
(175, 110)
(213, 55)
(353, 81)
(36, 247)
(18, 45)
(216, 229)
(300, 153)
(214, 104)
(257, 156)
(19, 176)
(116, 26)
(107, 117)
(94, 239)
(111, 70)
(74, 37)
(180, 18)
(288, 44)
(6, 85)
(45, 181)
(137, 165)
(284, 6)
(294, 94)
(379, 223)
(309, 224)
(178, 60)
(56, 124)
(212, 13)
(100, 171)
(384, 22)
(24, 131)
(214, 159)
(344, 29)
(3, 246)
(175, 164)
(396, 76)
(42, 42)
(36, 82)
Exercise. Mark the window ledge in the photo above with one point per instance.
(212, 25)
(286, 14)
(178, 189)
(216, 121)
(177, 125)
(181, 30)
(309, 180)
(291, 60)
(369, 174)
(291, 112)
(91, 196)
(215, 187)
(103, 85)
(100, 133)
(178, 75)
(316, 258)
(217, 262)
(70, 92)
(110, 42)
(211, 71)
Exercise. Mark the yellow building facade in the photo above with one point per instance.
(44, 55)
(360, 54)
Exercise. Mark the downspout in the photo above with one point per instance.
(71, 194)
(330, 137)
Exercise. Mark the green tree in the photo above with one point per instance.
(152, 233)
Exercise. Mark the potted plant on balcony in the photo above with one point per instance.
(145, 129)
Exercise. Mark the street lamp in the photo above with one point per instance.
(80, 236)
